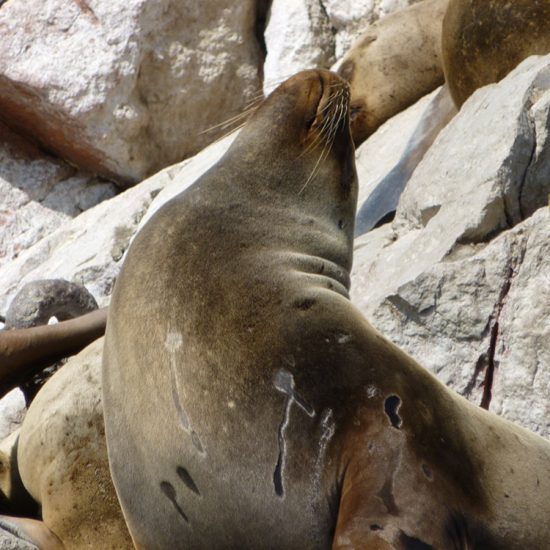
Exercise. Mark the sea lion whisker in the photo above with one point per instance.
(327, 121)
(318, 138)
(236, 118)
(320, 135)
(322, 156)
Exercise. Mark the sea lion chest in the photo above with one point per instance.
(225, 376)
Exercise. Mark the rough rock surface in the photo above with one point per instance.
(38, 301)
(454, 279)
(13, 542)
(12, 412)
(349, 18)
(303, 34)
(89, 249)
(38, 194)
(124, 88)
(376, 157)
(298, 36)
(62, 457)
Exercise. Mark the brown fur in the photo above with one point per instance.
(483, 40)
(395, 63)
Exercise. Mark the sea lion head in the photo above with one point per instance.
(298, 140)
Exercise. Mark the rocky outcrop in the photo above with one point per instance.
(89, 248)
(39, 194)
(125, 88)
(448, 280)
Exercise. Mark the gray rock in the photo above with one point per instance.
(39, 194)
(382, 151)
(522, 347)
(124, 88)
(89, 248)
(498, 146)
(12, 541)
(38, 301)
(459, 279)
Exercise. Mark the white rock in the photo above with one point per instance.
(494, 136)
(459, 280)
(12, 412)
(522, 354)
(297, 37)
(125, 88)
(38, 194)
(89, 248)
(467, 187)
(381, 152)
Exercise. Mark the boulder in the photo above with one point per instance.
(453, 280)
(62, 457)
(124, 88)
(38, 301)
(89, 248)
(39, 194)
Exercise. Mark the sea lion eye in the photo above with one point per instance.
(354, 112)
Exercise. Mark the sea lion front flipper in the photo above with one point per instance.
(32, 531)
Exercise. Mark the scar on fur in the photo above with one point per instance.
(173, 343)
(170, 492)
(328, 427)
(284, 382)
(391, 408)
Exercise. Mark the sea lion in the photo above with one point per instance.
(62, 457)
(483, 40)
(249, 404)
(14, 498)
(24, 352)
(393, 64)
